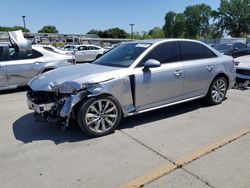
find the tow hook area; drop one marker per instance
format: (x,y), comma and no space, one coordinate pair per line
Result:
(242,85)
(55,121)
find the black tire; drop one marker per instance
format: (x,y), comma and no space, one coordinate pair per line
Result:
(216,96)
(94,127)
(98,56)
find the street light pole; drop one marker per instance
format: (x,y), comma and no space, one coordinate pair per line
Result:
(24,24)
(132,30)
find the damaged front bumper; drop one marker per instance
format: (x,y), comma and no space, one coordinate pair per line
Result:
(52,107)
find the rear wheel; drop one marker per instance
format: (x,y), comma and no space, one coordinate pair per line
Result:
(98,56)
(217,91)
(99,116)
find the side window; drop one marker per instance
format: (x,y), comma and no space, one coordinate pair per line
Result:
(95,48)
(34,54)
(193,51)
(4,53)
(164,53)
(239,45)
(31,55)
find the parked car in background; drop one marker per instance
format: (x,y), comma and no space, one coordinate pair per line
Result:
(88,53)
(243,70)
(21,61)
(56,50)
(235,50)
(69,47)
(132,78)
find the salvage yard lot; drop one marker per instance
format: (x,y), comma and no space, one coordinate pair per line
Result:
(140,151)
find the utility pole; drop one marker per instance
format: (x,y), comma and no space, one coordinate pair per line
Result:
(24,24)
(132,31)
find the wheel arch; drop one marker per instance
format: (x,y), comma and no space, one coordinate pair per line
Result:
(46,69)
(77,106)
(221,75)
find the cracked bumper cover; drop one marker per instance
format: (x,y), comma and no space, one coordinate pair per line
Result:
(56,111)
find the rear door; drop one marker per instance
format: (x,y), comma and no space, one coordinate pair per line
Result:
(21,68)
(4,57)
(82,54)
(199,64)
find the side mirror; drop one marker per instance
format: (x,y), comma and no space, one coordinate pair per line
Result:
(151,63)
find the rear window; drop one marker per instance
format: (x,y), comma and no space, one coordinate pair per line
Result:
(30,55)
(193,51)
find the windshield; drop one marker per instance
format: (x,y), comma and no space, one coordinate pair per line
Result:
(123,55)
(222,46)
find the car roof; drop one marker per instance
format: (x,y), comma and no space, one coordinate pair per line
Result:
(154,41)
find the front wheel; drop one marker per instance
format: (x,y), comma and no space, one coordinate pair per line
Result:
(217,91)
(99,116)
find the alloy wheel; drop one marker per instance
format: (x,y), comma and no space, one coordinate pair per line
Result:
(219,90)
(101,115)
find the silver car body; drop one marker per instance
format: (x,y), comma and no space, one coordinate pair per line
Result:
(136,90)
(33,60)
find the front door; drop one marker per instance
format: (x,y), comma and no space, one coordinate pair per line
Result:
(161,85)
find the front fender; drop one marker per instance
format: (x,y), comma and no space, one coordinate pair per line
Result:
(120,88)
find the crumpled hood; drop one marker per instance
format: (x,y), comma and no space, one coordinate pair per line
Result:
(78,74)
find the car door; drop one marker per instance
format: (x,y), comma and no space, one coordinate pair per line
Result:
(20,69)
(199,64)
(161,85)
(4,57)
(82,54)
(92,52)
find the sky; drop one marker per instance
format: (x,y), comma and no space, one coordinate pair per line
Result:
(79,16)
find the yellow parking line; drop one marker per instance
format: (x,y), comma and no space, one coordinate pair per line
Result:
(166,169)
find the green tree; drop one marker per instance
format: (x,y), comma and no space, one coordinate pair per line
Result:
(14,28)
(93,31)
(156,32)
(214,31)
(197,19)
(168,28)
(48,29)
(234,17)
(174,26)
(114,33)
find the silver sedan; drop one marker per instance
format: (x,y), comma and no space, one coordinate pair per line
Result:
(133,78)
(21,61)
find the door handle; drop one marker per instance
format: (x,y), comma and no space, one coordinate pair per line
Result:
(210,67)
(37,62)
(178,72)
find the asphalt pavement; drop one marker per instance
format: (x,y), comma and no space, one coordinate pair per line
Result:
(188,145)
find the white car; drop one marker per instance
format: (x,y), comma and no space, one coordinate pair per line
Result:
(56,50)
(21,61)
(242,70)
(87,53)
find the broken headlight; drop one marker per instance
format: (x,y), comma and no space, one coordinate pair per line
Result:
(68,87)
